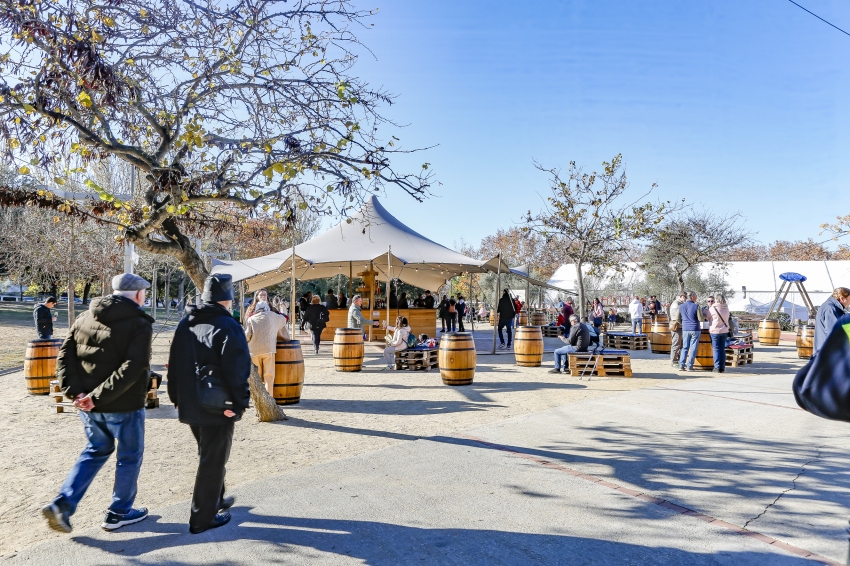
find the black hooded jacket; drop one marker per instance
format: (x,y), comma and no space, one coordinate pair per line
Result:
(43,319)
(217,339)
(108,354)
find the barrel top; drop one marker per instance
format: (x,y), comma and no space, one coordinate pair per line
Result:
(44,341)
(348,331)
(456,335)
(289,342)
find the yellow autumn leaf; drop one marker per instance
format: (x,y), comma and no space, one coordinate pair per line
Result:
(24,170)
(84,99)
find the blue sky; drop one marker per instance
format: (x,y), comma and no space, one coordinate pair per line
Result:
(735,106)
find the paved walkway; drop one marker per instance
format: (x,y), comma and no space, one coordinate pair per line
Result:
(663,475)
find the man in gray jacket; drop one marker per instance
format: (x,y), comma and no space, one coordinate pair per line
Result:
(355,315)
(676,329)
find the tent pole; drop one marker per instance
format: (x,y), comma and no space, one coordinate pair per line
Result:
(496,303)
(241,302)
(472,318)
(350,282)
(292,294)
(389,281)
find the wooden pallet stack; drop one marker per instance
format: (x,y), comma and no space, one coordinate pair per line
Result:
(626,341)
(746,338)
(739,355)
(412,360)
(611,363)
(550,331)
(59,401)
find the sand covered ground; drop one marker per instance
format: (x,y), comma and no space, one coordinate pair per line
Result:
(340,415)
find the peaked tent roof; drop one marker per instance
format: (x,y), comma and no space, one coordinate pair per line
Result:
(366,236)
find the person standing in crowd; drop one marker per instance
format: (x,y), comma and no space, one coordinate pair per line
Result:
(260,295)
(597,313)
(355,315)
(828,313)
(262,331)
(393,298)
(402,301)
(461,313)
(649,308)
(44,318)
(318,317)
(505,313)
(104,366)
(657,304)
(636,312)
(330,301)
(567,311)
(691,317)
(612,317)
(419,302)
(208,339)
(718,315)
(428,301)
(342,303)
(398,342)
(303,303)
(482,313)
(451,315)
(676,329)
(443,313)
(578,340)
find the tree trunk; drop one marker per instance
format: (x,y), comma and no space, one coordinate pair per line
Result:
(71,315)
(179,246)
(264,404)
(86,291)
(167,292)
(680,277)
(581,302)
(181,290)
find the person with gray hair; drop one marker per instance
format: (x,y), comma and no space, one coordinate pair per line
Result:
(578,341)
(262,331)
(355,314)
(104,366)
(691,315)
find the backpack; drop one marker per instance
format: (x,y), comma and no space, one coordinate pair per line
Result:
(411,340)
(324,317)
(822,386)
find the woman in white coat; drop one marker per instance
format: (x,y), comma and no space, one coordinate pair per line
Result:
(398,342)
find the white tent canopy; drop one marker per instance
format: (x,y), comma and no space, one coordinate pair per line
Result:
(371,235)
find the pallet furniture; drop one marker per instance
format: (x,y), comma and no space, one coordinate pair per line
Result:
(626,341)
(550,331)
(739,355)
(417,359)
(746,338)
(59,401)
(608,363)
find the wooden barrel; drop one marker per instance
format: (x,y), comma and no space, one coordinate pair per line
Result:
(659,338)
(662,317)
(348,349)
(528,346)
(705,355)
(457,358)
(40,365)
(769,333)
(288,372)
(538,319)
(522,318)
(646,324)
(805,341)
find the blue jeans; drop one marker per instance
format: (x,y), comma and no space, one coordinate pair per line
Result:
(45,336)
(718,347)
(690,340)
(561,356)
(509,325)
(636,326)
(102,430)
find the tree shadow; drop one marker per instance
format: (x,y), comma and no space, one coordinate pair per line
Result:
(393,407)
(284,539)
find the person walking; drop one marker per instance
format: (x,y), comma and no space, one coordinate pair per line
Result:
(578,340)
(104,366)
(398,342)
(262,331)
(355,314)
(636,313)
(451,315)
(461,313)
(303,303)
(208,339)
(505,313)
(597,314)
(691,316)
(330,300)
(44,318)
(443,313)
(676,329)
(317,316)
(718,316)
(833,309)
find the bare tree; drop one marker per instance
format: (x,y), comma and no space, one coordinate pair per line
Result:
(589,215)
(223,107)
(695,237)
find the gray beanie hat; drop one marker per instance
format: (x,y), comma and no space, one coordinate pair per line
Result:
(129,282)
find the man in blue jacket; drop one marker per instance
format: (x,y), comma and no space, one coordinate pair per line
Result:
(209,337)
(691,317)
(833,309)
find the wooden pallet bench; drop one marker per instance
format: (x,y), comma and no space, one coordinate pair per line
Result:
(610,363)
(745,338)
(550,331)
(417,359)
(60,403)
(739,355)
(626,341)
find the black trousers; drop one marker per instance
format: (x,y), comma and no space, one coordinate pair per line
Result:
(214,450)
(317,336)
(460,327)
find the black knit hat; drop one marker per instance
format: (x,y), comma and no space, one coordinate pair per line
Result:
(218,287)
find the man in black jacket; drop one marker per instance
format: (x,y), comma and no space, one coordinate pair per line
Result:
(44,318)
(104,366)
(428,302)
(578,341)
(209,337)
(506,313)
(330,301)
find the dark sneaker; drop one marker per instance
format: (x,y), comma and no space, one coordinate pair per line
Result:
(684,368)
(114,521)
(220,519)
(57,519)
(554,371)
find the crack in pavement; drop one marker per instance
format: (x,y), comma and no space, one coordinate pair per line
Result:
(792,488)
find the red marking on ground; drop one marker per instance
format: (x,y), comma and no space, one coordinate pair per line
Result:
(666,504)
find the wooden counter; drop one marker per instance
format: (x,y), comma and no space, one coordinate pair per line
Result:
(422,321)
